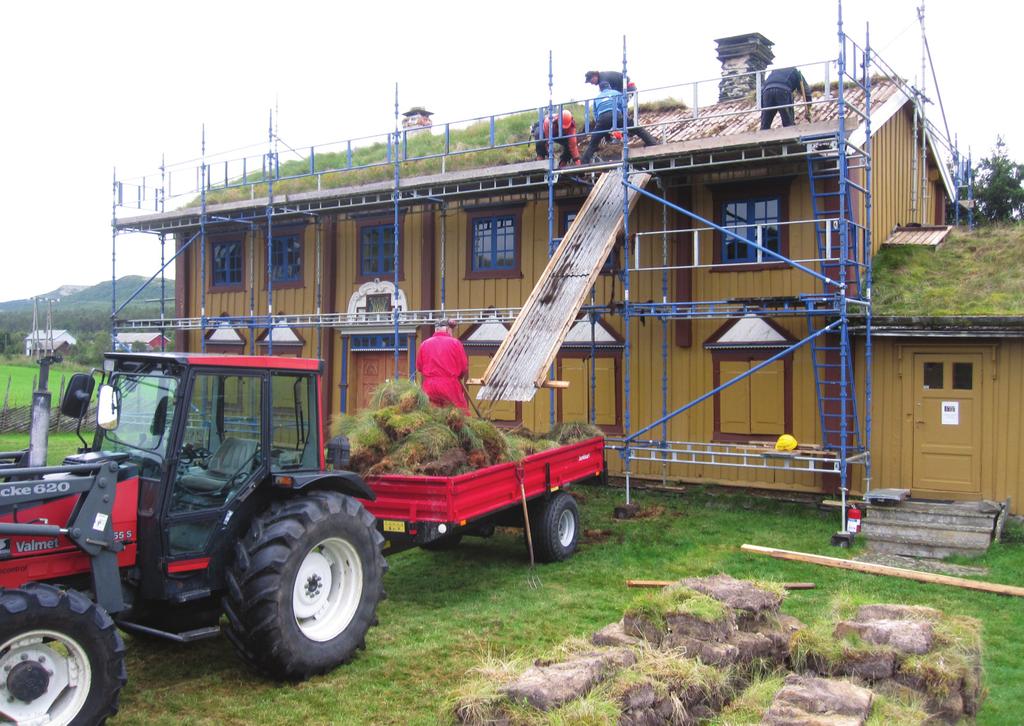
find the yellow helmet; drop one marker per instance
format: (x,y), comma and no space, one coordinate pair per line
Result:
(785,443)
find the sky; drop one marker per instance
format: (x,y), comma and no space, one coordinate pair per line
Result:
(93,87)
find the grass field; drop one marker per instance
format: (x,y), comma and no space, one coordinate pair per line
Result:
(447,610)
(23,375)
(59,446)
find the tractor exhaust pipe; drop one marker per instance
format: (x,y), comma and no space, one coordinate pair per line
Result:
(39,432)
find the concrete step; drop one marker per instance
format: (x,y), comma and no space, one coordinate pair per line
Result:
(918,550)
(983,508)
(982,523)
(926,534)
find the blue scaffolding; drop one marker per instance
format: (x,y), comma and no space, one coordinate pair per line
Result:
(839,172)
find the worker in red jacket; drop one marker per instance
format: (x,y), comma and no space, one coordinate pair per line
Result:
(444,366)
(564,135)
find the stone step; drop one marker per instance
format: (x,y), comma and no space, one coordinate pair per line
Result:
(982,508)
(885,547)
(934,535)
(912,519)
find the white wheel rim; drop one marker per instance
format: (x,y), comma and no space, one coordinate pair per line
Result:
(70,676)
(327,589)
(566,528)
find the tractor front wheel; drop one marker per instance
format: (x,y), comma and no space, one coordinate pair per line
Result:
(304,586)
(61,658)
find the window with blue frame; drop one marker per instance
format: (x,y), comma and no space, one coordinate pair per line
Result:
(494,244)
(744,218)
(226,267)
(377,250)
(286,259)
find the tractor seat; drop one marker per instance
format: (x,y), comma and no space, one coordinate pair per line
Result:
(233,456)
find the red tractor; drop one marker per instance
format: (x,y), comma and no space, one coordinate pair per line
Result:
(205,492)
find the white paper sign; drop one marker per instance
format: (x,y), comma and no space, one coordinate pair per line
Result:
(950,413)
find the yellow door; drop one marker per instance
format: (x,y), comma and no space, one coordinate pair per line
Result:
(496,410)
(768,399)
(575,398)
(735,400)
(574,401)
(755,405)
(947,425)
(606,392)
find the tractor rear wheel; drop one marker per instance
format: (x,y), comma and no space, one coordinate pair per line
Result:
(304,586)
(555,526)
(61,657)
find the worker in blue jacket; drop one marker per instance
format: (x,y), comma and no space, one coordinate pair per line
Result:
(607,115)
(615,80)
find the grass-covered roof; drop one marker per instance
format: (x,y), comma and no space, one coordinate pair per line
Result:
(978,273)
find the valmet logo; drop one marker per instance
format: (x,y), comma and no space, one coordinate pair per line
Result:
(5,548)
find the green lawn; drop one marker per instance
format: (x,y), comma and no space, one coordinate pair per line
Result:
(23,375)
(59,445)
(447,610)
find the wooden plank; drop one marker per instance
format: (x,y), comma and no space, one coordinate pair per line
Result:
(520,365)
(872,569)
(666,583)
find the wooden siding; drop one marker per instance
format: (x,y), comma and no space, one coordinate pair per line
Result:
(1002,399)
(892,149)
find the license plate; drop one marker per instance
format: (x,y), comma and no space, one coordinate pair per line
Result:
(391,525)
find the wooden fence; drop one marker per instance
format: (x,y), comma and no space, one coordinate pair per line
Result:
(18,419)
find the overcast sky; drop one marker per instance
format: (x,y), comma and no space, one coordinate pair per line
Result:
(93,86)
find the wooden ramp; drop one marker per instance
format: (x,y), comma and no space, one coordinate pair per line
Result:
(521,364)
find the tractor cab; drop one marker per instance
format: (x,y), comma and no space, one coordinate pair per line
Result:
(204,431)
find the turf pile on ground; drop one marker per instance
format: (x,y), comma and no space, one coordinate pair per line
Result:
(402,433)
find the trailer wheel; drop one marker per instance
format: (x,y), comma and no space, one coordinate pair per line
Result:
(61,657)
(555,527)
(304,586)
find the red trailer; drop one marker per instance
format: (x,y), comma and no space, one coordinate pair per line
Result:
(436,511)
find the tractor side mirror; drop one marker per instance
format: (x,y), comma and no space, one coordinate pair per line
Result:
(77,396)
(108,407)
(159,418)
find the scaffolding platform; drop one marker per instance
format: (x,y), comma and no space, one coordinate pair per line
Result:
(807,459)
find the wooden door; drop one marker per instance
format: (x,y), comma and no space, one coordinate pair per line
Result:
(371,369)
(947,424)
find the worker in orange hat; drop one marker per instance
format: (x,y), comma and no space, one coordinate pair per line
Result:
(564,135)
(443,363)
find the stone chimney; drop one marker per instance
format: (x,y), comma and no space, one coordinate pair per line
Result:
(740,54)
(417,117)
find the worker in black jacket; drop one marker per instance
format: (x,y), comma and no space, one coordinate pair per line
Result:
(614,80)
(777,96)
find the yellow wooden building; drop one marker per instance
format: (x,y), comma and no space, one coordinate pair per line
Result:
(473,242)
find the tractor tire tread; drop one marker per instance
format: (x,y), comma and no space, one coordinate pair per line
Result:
(255,583)
(34,603)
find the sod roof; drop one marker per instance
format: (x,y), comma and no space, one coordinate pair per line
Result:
(977,274)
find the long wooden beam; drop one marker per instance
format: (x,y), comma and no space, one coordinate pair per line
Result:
(873,569)
(666,583)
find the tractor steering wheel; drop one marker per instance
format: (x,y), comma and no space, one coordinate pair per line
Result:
(191,454)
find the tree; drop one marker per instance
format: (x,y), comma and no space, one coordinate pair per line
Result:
(999,187)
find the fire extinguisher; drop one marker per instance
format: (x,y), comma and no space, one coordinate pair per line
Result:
(853,516)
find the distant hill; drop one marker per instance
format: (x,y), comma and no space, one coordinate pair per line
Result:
(96,296)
